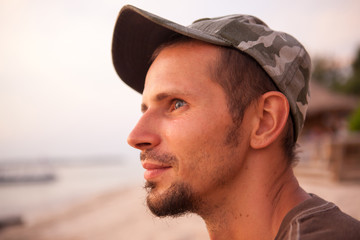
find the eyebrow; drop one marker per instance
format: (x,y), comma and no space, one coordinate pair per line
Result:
(144,107)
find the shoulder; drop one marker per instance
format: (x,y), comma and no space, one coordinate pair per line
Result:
(318,219)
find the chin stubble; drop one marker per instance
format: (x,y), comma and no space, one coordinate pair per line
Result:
(176,201)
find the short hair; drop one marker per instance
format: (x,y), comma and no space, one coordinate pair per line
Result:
(243,81)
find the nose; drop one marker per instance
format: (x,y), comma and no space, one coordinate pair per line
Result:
(145,134)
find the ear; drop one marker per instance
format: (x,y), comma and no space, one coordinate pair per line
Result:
(271,115)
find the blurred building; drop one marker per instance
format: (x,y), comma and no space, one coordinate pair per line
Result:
(327,148)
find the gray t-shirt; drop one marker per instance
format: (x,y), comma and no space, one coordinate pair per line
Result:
(317,219)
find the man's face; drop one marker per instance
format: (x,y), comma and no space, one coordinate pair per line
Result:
(184,131)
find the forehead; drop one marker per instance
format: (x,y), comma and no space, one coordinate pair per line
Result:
(185,66)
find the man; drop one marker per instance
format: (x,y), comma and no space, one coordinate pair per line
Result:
(224,101)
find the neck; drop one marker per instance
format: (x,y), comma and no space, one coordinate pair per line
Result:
(264,195)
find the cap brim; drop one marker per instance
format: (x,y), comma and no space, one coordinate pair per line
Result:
(137,34)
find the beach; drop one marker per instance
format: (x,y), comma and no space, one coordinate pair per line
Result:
(116,214)
(122,214)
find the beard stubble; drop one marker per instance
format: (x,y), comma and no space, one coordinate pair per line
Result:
(179,199)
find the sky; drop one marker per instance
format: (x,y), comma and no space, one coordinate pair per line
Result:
(60,95)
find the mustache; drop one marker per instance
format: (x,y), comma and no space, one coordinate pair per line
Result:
(164,158)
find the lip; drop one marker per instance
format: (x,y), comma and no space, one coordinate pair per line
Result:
(153,170)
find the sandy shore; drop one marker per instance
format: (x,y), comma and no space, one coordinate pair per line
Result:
(122,214)
(118,214)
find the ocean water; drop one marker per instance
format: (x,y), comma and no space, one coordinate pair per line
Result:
(73,183)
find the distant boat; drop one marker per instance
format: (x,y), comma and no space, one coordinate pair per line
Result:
(25,173)
(10,221)
(28,178)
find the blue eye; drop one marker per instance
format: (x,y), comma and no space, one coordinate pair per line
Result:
(179,103)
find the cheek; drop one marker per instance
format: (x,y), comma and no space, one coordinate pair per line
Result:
(185,133)
(196,144)
(182,138)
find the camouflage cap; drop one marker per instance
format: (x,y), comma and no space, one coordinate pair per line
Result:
(138,33)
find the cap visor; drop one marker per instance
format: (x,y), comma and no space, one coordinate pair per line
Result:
(137,34)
